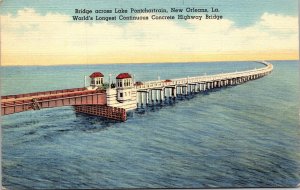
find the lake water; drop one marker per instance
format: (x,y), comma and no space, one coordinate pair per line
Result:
(241,136)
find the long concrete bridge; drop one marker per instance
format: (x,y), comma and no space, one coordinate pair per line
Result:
(117,98)
(161,89)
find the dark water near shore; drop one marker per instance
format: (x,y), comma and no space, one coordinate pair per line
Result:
(242,136)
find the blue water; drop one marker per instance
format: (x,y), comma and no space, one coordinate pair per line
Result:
(242,136)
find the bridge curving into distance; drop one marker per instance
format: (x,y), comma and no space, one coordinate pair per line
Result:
(125,94)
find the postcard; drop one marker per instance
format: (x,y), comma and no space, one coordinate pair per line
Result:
(138,94)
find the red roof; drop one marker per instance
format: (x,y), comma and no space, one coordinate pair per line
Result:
(123,76)
(96,74)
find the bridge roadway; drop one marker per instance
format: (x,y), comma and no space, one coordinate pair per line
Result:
(34,101)
(159,90)
(95,101)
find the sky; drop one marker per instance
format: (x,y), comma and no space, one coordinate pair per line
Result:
(38,32)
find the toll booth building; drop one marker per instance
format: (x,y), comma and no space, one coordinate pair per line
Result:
(97,79)
(124,87)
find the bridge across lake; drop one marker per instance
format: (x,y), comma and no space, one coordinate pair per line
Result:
(114,101)
(161,89)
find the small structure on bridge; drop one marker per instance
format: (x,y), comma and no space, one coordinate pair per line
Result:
(124,95)
(124,87)
(96,79)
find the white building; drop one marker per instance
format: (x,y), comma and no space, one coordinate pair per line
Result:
(96,79)
(124,85)
(124,95)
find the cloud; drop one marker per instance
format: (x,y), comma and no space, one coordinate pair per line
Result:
(30,33)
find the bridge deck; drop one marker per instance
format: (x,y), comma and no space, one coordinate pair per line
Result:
(33,101)
(80,96)
(206,78)
(41,93)
(45,97)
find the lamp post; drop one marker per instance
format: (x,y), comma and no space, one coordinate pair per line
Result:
(109,81)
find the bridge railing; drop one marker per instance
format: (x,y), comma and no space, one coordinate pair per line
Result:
(20,105)
(222,76)
(50,97)
(41,93)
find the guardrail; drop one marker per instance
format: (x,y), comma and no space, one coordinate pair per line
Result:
(206,78)
(41,93)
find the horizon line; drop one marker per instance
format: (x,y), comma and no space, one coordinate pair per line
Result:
(135,63)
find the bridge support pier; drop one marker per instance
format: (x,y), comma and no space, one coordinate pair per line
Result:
(142,99)
(147,98)
(211,85)
(180,90)
(183,90)
(165,94)
(223,83)
(161,95)
(197,87)
(114,113)
(219,84)
(174,92)
(150,97)
(186,92)
(200,87)
(203,86)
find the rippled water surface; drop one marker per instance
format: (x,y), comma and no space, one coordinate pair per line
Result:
(242,136)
